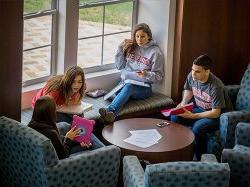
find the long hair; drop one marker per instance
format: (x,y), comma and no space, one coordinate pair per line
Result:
(128,48)
(45,111)
(63,82)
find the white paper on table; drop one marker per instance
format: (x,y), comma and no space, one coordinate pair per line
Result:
(138,143)
(144,138)
(147,134)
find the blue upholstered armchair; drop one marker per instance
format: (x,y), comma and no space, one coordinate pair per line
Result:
(239,157)
(240,97)
(208,172)
(28,158)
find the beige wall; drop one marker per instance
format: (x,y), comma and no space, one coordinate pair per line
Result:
(160,16)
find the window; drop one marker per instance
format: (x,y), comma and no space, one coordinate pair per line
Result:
(39,40)
(103,25)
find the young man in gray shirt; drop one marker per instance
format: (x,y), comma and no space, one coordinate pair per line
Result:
(210,100)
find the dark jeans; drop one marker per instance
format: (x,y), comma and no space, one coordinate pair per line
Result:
(96,143)
(200,128)
(63,117)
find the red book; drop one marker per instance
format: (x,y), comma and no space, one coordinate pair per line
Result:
(86,127)
(178,110)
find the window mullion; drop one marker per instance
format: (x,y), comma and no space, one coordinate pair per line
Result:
(54,39)
(103,23)
(39,14)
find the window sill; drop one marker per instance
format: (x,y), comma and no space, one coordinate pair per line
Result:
(88,76)
(101,73)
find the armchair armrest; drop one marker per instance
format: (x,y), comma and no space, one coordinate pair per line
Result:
(133,173)
(238,158)
(242,134)
(232,92)
(208,158)
(99,167)
(228,122)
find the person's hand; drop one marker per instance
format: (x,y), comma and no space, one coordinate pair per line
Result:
(187,114)
(72,133)
(85,145)
(141,73)
(126,44)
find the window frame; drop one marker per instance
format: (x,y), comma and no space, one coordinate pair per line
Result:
(101,66)
(53,44)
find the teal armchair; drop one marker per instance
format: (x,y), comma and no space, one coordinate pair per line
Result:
(208,172)
(225,136)
(238,158)
(28,158)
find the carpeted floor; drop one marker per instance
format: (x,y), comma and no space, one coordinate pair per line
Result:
(26,116)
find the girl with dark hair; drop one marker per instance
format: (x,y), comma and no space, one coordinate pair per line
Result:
(139,59)
(66,90)
(44,121)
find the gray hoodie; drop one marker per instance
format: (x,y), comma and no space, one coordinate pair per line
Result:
(148,57)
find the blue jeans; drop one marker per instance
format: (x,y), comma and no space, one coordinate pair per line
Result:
(200,128)
(129,91)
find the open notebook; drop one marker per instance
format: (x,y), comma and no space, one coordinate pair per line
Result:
(76,109)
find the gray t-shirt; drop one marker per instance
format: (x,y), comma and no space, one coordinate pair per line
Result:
(211,94)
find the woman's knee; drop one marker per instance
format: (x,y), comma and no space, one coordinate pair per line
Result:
(63,127)
(128,88)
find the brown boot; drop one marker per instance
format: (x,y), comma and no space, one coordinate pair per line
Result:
(107,116)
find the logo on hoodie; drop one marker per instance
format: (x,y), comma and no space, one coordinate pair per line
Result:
(139,58)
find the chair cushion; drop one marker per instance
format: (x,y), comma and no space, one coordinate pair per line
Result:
(187,174)
(133,108)
(243,97)
(243,149)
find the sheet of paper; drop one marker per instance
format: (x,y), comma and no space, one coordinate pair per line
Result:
(147,134)
(139,143)
(143,138)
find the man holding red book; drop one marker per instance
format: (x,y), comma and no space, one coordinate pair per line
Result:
(210,100)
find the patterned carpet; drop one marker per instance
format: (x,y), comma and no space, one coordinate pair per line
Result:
(26,116)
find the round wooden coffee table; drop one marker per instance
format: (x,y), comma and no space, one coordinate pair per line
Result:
(176,144)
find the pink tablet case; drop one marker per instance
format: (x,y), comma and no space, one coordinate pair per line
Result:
(86,127)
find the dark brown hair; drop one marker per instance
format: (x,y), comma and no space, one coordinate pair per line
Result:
(204,61)
(63,82)
(139,27)
(45,111)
